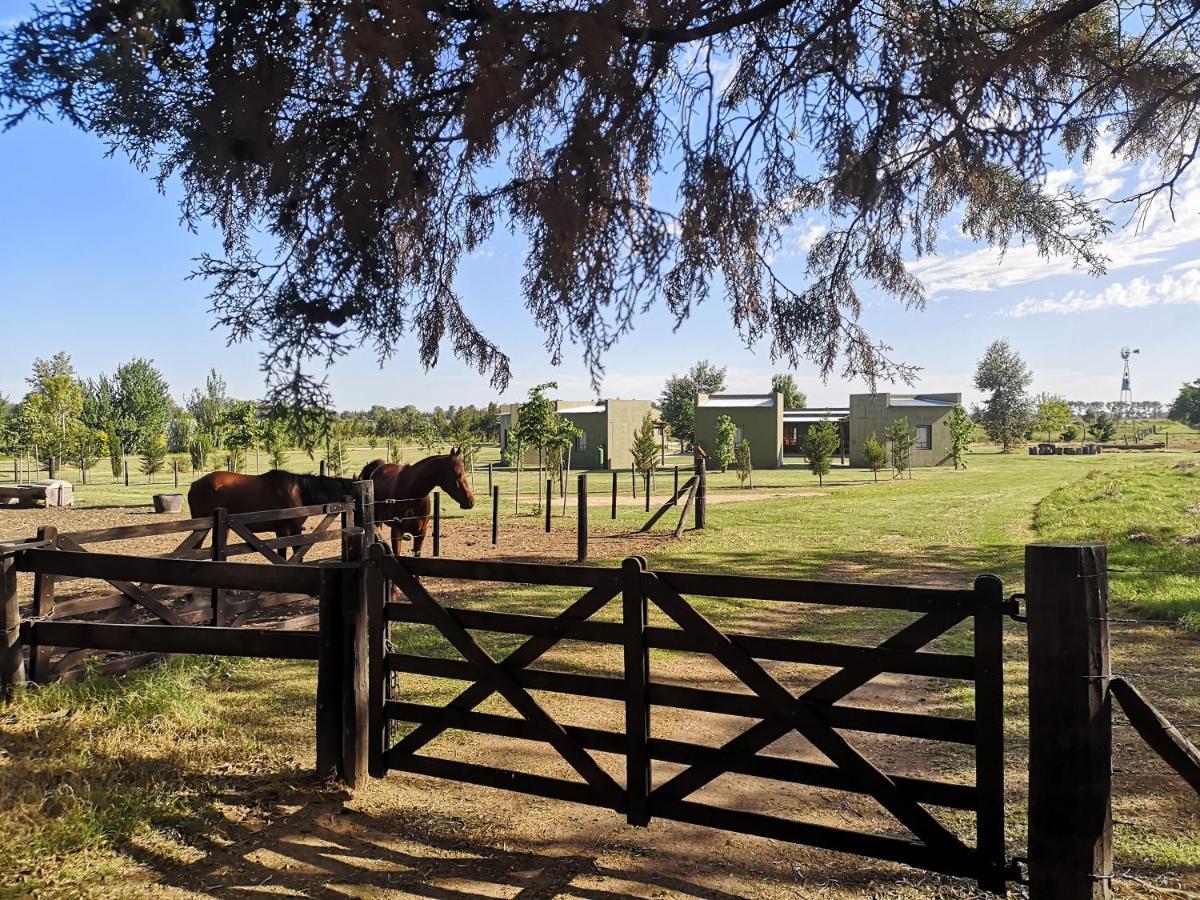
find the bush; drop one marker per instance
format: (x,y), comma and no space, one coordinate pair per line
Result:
(1070,433)
(745,468)
(900,438)
(820,443)
(199,450)
(154,456)
(875,455)
(724,450)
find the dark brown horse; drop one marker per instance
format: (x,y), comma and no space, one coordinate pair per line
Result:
(275,489)
(402,493)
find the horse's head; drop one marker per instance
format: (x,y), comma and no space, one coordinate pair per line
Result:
(454,480)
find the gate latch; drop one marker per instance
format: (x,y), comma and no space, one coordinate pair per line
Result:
(1013,605)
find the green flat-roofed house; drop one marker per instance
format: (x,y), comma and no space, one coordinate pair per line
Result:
(927,415)
(608,428)
(757,417)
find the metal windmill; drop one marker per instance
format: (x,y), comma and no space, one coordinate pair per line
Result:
(1126,403)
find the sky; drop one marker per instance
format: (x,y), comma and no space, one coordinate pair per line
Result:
(94,261)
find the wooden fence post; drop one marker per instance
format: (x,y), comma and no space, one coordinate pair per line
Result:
(12,656)
(174,468)
(490,484)
(323,468)
(364,508)
(126,473)
(437,523)
(495,514)
(329,672)
(220,539)
(989,732)
(549,488)
(701,494)
(377,591)
(633,479)
(677,485)
(356,661)
(43,608)
(637,678)
(581,525)
(1070,722)
(614,493)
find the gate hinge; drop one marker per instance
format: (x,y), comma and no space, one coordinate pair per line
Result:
(1012,606)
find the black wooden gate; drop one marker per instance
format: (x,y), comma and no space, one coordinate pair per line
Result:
(817,713)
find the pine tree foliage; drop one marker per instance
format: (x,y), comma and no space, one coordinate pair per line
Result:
(648,152)
(875,455)
(821,441)
(900,440)
(962,432)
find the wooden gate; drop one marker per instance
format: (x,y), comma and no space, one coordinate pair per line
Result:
(816,714)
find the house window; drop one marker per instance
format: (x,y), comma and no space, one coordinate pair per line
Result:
(924,437)
(581,442)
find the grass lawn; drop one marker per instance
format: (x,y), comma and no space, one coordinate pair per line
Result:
(98,778)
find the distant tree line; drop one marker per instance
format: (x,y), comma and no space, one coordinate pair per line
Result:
(66,419)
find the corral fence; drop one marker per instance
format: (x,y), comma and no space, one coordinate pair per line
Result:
(367,591)
(62,632)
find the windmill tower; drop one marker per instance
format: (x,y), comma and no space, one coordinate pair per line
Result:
(1126,407)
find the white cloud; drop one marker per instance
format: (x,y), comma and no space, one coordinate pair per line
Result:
(1135,294)
(1147,240)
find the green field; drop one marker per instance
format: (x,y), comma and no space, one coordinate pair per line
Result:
(97,778)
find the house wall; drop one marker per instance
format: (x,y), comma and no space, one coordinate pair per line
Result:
(611,431)
(624,419)
(873,413)
(595,427)
(761,425)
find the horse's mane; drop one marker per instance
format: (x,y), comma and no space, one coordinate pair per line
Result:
(370,469)
(314,488)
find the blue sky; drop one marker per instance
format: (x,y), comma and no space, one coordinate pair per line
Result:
(93,261)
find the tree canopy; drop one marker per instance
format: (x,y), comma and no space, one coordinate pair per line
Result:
(784,383)
(353,153)
(1007,412)
(1186,405)
(677,406)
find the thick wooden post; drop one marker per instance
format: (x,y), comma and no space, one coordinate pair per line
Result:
(614,493)
(637,678)
(701,494)
(490,484)
(12,658)
(174,469)
(356,662)
(437,523)
(676,494)
(989,732)
(323,468)
(329,672)
(126,473)
(377,676)
(549,488)
(495,514)
(43,608)
(633,479)
(1070,722)
(364,507)
(220,539)
(581,525)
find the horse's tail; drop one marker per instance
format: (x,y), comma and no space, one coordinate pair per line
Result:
(370,469)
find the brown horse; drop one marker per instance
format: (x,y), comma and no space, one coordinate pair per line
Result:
(402,493)
(275,489)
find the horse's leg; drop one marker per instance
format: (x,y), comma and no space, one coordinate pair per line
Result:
(397,538)
(419,537)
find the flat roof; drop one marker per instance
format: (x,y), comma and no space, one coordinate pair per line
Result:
(749,401)
(920,401)
(815,415)
(580,410)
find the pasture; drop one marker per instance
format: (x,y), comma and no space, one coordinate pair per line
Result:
(191,777)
